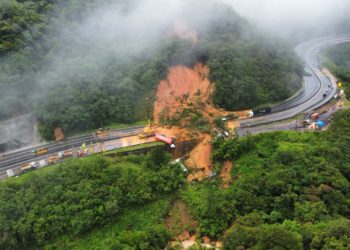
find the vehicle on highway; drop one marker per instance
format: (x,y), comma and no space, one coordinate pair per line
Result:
(28,166)
(260,111)
(167,140)
(40,151)
(53,159)
(146,134)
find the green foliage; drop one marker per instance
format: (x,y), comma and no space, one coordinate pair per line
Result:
(154,238)
(190,118)
(157,158)
(287,188)
(330,234)
(210,205)
(337,59)
(80,195)
(248,73)
(135,219)
(92,88)
(20,23)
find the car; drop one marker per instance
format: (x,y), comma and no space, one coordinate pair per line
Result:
(324,95)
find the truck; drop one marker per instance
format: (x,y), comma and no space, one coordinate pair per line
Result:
(315,116)
(101,133)
(146,134)
(40,151)
(260,111)
(68,153)
(167,140)
(28,166)
(53,159)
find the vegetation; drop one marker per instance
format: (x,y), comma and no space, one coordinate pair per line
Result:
(130,149)
(337,59)
(249,71)
(77,86)
(290,191)
(59,206)
(133,228)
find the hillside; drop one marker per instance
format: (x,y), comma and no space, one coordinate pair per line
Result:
(59,205)
(337,59)
(77,80)
(289,190)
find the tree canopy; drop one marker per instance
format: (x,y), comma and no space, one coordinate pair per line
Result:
(69,80)
(79,195)
(290,191)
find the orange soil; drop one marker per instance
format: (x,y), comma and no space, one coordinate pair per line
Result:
(182,87)
(59,135)
(200,160)
(233,124)
(226,174)
(206,240)
(180,219)
(182,30)
(181,81)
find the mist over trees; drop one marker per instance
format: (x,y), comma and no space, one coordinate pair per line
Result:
(84,64)
(337,59)
(296,20)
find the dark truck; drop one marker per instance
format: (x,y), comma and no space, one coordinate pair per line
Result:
(262,111)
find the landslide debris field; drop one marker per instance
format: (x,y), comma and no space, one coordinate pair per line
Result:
(78,80)
(184,109)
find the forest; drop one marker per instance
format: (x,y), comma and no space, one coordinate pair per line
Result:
(71,83)
(54,206)
(290,190)
(337,59)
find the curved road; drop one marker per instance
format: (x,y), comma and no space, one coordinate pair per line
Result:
(308,98)
(315,85)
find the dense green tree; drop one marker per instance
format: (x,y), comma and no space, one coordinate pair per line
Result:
(288,187)
(80,195)
(59,76)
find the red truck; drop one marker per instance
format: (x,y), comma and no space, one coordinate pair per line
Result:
(167,140)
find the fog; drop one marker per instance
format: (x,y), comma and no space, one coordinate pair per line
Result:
(116,31)
(81,48)
(129,28)
(300,19)
(132,29)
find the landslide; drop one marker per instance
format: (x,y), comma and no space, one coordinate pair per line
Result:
(245,68)
(228,65)
(103,88)
(184,108)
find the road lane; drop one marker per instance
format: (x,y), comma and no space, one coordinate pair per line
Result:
(315,86)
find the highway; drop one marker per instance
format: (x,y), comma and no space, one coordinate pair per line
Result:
(16,158)
(316,84)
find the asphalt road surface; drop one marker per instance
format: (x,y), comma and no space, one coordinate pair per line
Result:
(16,158)
(308,98)
(316,84)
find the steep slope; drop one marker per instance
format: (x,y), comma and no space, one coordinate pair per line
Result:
(78,80)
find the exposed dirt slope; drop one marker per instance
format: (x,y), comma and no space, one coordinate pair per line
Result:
(225,174)
(183,108)
(182,30)
(181,83)
(180,222)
